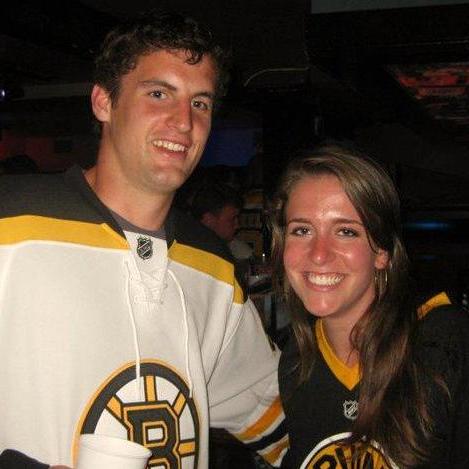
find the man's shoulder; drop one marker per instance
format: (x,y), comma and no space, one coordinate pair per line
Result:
(46,195)
(30,191)
(194,245)
(11,184)
(190,232)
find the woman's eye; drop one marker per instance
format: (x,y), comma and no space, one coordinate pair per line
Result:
(348,232)
(299,231)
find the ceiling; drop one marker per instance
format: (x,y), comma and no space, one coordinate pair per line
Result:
(363,73)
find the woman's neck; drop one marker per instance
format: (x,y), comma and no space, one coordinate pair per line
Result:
(339,339)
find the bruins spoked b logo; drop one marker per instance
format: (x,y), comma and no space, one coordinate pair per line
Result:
(331,453)
(166,421)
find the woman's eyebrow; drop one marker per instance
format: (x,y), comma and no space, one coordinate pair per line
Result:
(298,220)
(349,221)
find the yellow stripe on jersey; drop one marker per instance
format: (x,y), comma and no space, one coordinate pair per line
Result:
(261,425)
(272,456)
(348,376)
(207,263)
(437,300)
(36,228)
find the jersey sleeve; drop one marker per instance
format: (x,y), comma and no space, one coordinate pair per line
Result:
(458,364)
(445,337)
(11,459)
(243,390)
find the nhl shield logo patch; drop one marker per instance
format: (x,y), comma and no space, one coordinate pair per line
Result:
(144,247)
(350,409)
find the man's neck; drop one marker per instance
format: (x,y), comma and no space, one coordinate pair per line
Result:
(147,211)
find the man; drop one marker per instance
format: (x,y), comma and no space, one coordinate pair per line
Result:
(117,314)
(217,207)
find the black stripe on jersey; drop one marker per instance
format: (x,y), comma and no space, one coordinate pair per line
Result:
(60,196)
(270,439)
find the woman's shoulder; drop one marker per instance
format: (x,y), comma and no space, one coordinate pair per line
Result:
(445,322)
(443,339)
(290,353)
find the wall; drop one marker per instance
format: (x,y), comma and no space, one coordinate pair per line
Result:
(50,154)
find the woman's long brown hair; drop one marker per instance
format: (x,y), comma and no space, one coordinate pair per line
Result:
(393,405)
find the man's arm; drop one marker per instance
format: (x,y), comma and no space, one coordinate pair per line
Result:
(11,459)
(243,390)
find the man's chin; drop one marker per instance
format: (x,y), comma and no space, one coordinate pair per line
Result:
(168,184)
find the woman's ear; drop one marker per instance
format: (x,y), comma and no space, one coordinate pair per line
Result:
(101,103)
(381,259)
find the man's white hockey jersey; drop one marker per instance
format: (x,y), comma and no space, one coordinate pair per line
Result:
(126,335)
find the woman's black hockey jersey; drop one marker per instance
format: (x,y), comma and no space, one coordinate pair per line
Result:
(320,412)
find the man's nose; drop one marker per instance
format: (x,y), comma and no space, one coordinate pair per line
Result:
(181,118)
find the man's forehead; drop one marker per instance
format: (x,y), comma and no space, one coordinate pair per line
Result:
(183,55)
(161,62)
(230,209)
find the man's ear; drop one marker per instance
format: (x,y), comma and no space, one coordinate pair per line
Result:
(208,220)
(101,103)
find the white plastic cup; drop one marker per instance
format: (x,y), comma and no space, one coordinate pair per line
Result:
(105,452)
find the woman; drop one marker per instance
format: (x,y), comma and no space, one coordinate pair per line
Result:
(365,382)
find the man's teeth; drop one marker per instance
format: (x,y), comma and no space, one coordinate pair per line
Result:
(325,280)
(169,145)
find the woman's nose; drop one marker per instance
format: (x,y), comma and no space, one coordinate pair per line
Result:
(320,249)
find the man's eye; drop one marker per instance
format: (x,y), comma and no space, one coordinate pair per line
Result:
(201,105)
(158,94)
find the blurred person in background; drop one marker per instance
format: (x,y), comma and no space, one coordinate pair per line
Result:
(218,206)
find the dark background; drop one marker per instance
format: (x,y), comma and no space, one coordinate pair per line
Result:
(391,76)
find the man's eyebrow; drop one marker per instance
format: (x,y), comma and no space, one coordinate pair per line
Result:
(155,82)
(206,94)
(169,86)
